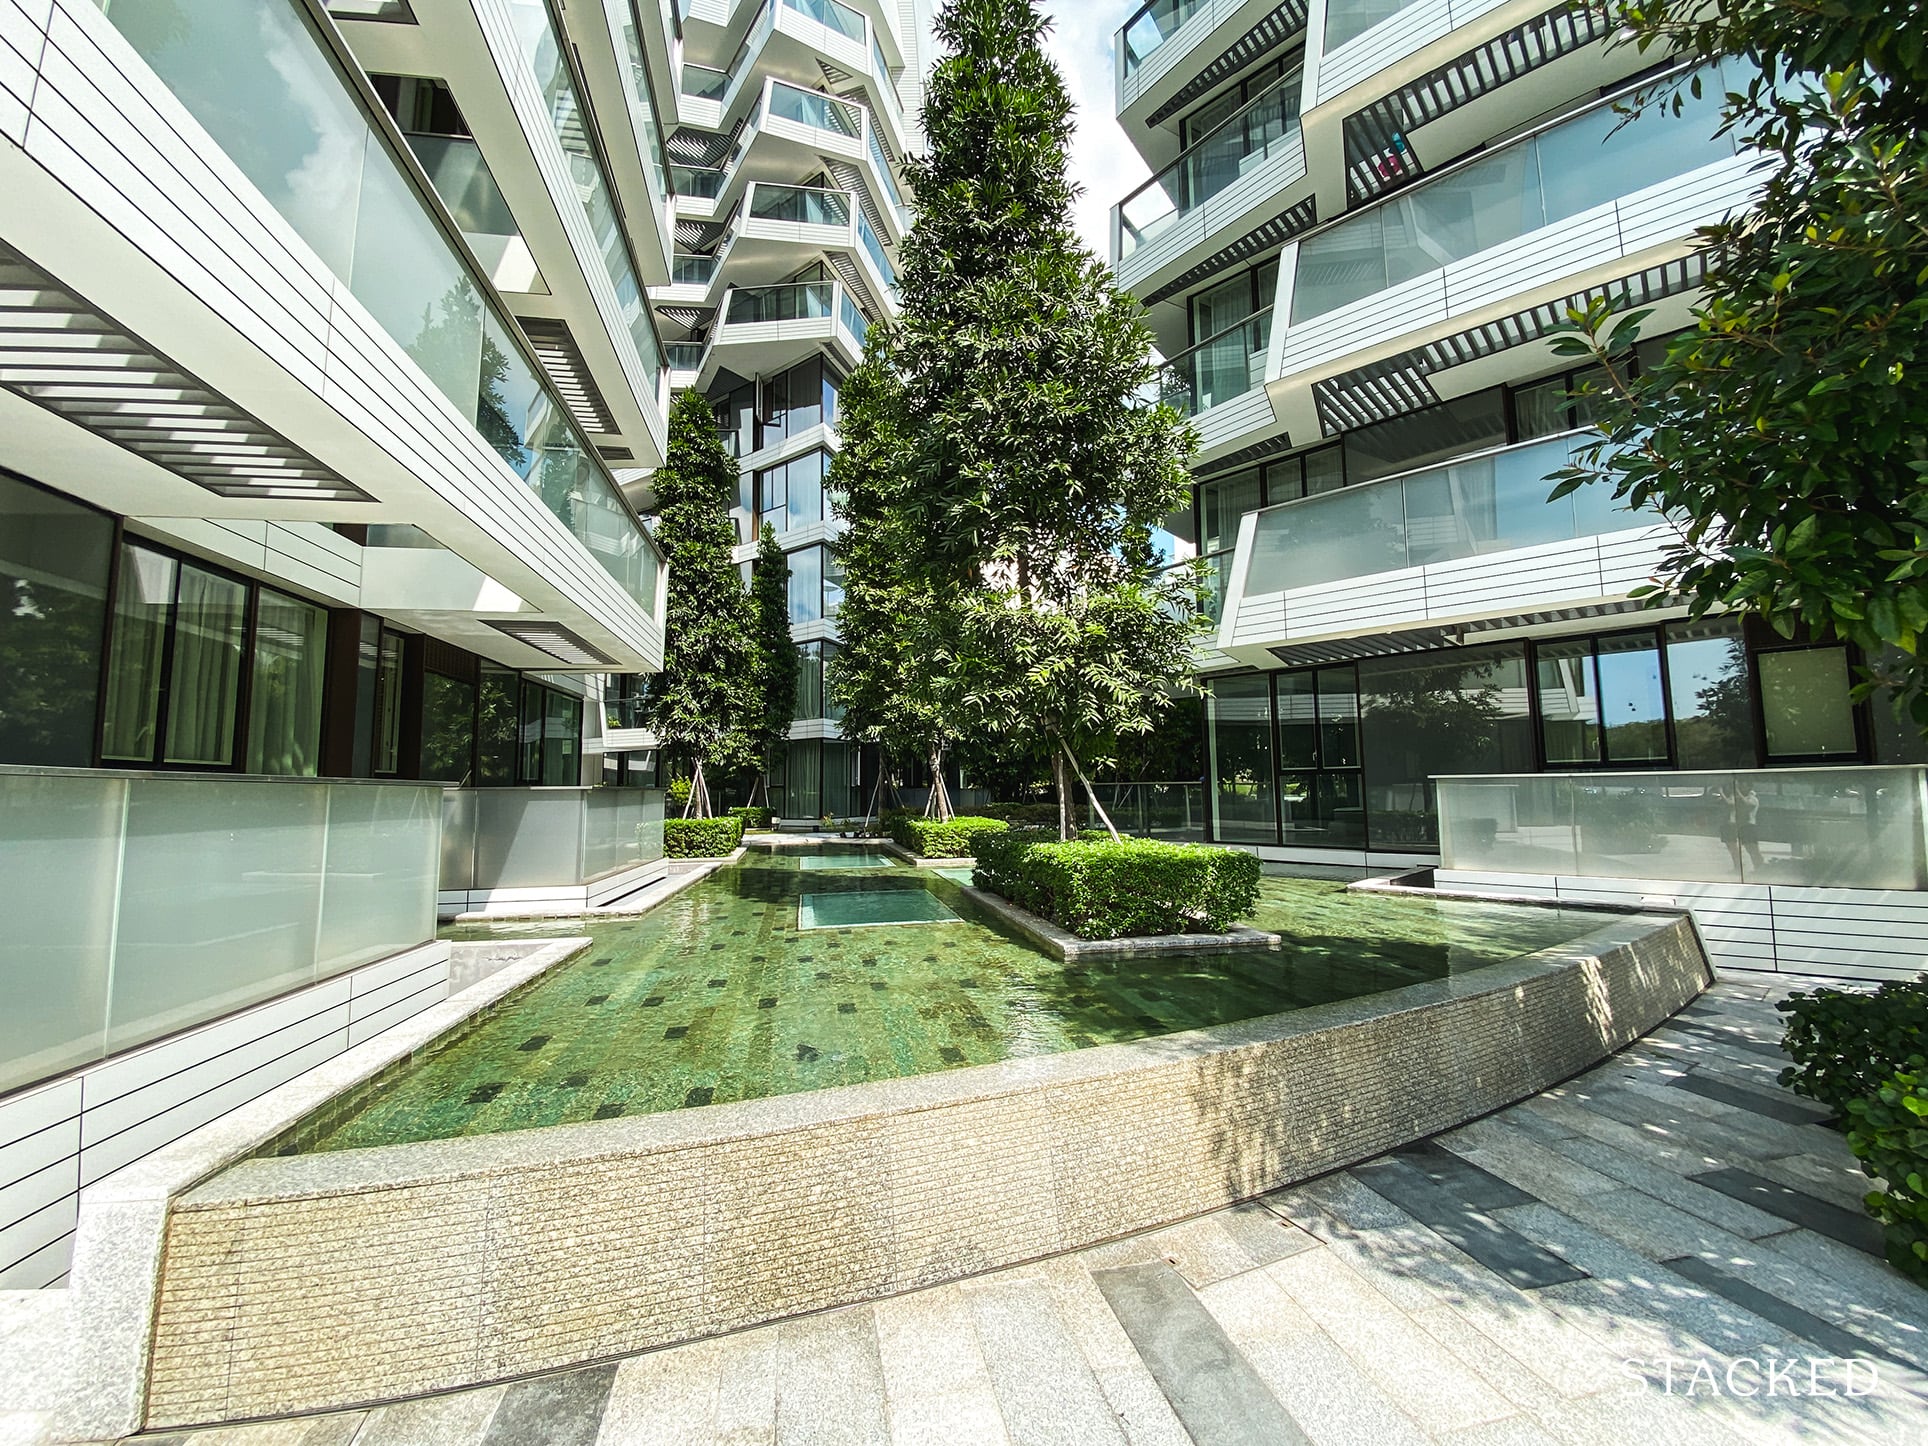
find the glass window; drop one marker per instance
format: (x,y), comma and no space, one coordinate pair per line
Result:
(495,728)
(529,733)
(806,585)
(804,505)
(1222,306)
(809,683)
(1437,434)
(561,740)
(1244,805)
(1298,705)
(1429,715)
(1542,409)
(1569,703)
(204,682)
(1805,704)
(448,729)
(388,705)
(1633,712)
(1711,695)
(1339,717)
(54,559)
(284,700)
(1325,470)
(1221,503)
(143,600)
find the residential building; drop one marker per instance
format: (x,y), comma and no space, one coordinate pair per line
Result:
(1366,218)
(793,118)
(324,326)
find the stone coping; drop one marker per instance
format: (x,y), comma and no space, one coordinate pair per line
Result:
(443,1263)
(680,874)
(118,1243)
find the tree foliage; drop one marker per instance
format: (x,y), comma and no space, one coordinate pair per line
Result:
(1003,469)
(1786,430)
(776,653)
(704,703)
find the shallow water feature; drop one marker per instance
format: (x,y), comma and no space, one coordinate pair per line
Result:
(789,972)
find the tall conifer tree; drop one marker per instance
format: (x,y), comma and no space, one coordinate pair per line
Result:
(1014,463)
(704,702)
(776,654)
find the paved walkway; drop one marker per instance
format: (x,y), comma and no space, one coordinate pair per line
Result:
(1544,1275)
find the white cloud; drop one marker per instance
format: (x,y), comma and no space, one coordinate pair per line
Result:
(1103,162)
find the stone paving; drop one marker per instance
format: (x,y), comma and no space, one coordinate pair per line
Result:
(1667,1249)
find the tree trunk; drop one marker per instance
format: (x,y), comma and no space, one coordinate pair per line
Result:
(1061,776)
(940,800)
(1090,793)
(699,800)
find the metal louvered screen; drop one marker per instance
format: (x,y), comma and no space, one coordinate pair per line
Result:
(562,359)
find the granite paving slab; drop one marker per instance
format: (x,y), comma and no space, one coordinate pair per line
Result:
(1045,1388)
(1479,1232)
(1797,1206)
(1809,1327)
(1782,1106)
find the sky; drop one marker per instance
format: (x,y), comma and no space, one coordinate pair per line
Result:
(1103,162)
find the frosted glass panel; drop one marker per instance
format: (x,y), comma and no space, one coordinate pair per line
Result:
(219,896)
(528,838)
(1808,827)
(60,839)
(382,865)
(623,828)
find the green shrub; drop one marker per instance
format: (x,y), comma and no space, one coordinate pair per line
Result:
(931,838)
(753,817)
(1845,1047)
(701,838)
(1888,1132)
(676,793)
(1103,890)
(1026,815)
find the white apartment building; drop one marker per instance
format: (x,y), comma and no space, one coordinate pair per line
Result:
(321,329)
(793,120)
(1365,219)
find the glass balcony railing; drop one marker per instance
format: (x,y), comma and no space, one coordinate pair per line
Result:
(699,82)
(1572,166)
(543,53)
(1349,19)
(684,356)
(867,234)
(1490,503)
(1210,166)
(796,301)
(808,205)
(461,178)
(1151,26)
(633,71)
(1859,828)
(685,270)
(853,319)
(704,181)
(833,13)
(323,161)
(1219,368)
(819,112)
(882,163)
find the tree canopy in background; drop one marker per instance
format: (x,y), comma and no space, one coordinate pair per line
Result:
(1004,467)
(704,704)
(1788,430)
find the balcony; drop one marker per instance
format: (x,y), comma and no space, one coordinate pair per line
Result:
(1467,540)
(526,850)
(461,178)
(1172,51)
(763,329)
(1583,201)
(1364,37)
(767,229)
(1251,161)
(1206,382)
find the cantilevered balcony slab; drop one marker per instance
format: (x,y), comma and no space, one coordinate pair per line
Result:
(762,330)
(1170,53)
(1468,542)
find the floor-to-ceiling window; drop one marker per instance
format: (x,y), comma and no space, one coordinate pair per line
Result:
(55,556)
(1244,799)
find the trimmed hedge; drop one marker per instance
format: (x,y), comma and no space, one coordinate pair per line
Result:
(753,817)
(1846,1046)
(1888,1132)
(1103,890)
(931,838)
(701,838)
(1027,815)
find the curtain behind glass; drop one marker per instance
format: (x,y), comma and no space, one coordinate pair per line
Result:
(284,703)
(204,686)
(142,598)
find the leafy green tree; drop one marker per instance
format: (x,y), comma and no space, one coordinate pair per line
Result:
(1786,430)
(777,665)
(1018,468)
(704,704)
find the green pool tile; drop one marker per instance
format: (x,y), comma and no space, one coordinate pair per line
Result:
(854,859)
(718,995)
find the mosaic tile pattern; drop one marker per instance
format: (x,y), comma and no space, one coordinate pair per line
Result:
(720,995)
